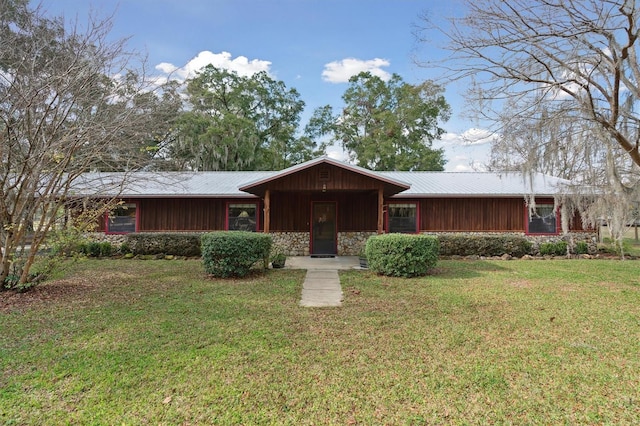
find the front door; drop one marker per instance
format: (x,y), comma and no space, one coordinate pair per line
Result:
(323,231)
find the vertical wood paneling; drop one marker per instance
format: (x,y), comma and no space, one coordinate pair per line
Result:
(357,211)
(182,214)
(290,211)
(472,214)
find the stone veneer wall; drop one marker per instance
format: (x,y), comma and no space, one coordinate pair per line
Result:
(291,243)
(352,243)
(298,244)
(114,239)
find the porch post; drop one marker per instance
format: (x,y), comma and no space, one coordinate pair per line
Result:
(380,210)
(267,211)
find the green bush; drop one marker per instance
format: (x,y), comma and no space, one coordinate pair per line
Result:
(106,249)
(558,248)
(483,245)
(233,253)
(582,247)
(95,248)
(92,249)
(173,243)
(124,249)
(66,243)
(402,255)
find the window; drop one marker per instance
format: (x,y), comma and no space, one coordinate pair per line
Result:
(403,218)
(122,219)
(543,220)
(242,217)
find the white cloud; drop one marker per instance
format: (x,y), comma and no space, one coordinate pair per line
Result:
(342,71)
(476,136)
(466,151)
(241,64)
(337,153)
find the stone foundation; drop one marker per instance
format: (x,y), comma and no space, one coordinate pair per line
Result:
(352,243)
(292,243)
(114,239)
(298,243)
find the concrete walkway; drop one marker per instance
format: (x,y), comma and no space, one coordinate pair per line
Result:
(321,287)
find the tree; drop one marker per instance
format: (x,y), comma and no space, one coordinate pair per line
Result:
(551,51)
(558,78)
(239,123)
(387,125)
(155,110)
(65,109)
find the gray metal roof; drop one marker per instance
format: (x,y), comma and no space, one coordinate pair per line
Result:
(227,184)
(478,184)
(167,184)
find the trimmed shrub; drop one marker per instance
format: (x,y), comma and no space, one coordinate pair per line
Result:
(484,245)
(582,247)
(233,253)
(106,249)
(559,248)
(124,249)
(402,255)
(174,243)
(95,248)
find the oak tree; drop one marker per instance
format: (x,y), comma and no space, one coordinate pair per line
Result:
(236,122)
(387,125)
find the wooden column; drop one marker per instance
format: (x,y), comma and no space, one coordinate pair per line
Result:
(380,211)
(267,211)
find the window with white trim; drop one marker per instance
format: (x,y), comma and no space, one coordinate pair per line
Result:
(242,217)
(542,220)
(403,218)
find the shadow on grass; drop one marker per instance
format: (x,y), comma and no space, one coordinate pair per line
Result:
(462,269)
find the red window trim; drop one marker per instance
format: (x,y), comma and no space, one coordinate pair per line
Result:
(396,201)
(241,201)
(527,221)
(137,220)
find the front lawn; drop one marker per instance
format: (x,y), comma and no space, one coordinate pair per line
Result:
(154,342)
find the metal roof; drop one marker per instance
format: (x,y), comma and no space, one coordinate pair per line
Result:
(478,184)
(166,184)
(228,184)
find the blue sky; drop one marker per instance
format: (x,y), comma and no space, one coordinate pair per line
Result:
(313,46)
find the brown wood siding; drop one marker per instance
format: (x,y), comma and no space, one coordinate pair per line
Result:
(291,211)
(472,214)
(357,211)
(331,178)
(181,214)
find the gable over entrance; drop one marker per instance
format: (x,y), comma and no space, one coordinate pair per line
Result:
(326,174)
(320,177)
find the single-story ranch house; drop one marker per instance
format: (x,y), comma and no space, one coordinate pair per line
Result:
(326,206)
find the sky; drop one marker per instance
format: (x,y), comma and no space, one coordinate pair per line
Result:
(313,46)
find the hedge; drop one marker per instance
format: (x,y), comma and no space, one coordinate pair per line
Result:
(484,245)
(558,248)
(233,253)
(171,243)
(402,255)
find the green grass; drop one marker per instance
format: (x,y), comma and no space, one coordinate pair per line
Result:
(154,342)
